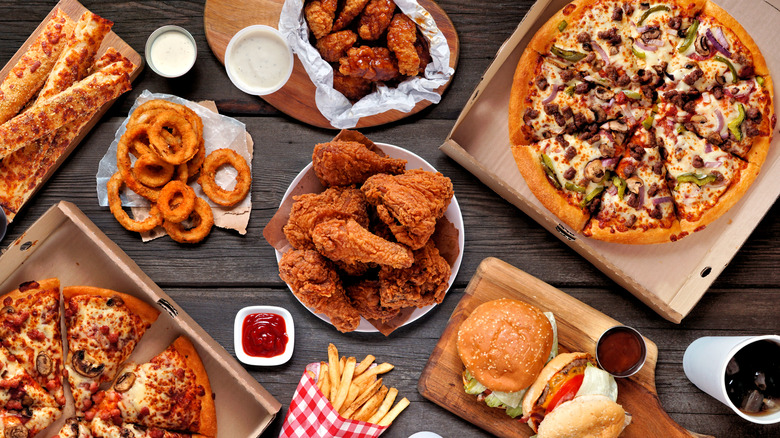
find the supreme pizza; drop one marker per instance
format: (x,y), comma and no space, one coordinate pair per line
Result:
(640,121)
(170,396)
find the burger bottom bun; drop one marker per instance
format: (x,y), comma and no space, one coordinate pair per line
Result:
(587,416)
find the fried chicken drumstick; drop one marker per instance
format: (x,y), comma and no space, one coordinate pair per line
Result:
(311,208)
(347,241)
(343,163)
(422,284)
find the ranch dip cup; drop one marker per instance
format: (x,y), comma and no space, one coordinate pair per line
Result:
(258,60)
(171,51)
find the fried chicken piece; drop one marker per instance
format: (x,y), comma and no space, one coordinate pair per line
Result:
(422,284)
(320,15)
(375,18)
(401,37)
(343,163)
(423,52)
(335,45)
(371,63)
(314,280)
(353,88)
(409,203)
(311,208)
(351,9)
(348,241)
(364,296)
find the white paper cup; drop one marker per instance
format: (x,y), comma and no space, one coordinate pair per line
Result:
(705,362)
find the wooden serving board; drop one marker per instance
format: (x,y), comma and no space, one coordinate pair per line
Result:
(579,326)
(74,9)
(224,18)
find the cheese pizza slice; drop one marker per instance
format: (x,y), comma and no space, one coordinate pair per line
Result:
(75,427)
(30,330)
(171,391)
(704,180)
(107,429)
(103,327)
(636,206)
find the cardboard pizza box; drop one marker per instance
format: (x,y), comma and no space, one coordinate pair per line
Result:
(479,141)
(64,243)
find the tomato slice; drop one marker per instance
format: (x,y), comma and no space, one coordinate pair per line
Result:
(567,392)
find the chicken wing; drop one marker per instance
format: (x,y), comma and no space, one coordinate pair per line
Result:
(371,63)
(401,38)
(335,45)
(353,88)
(348,241)
(343,163)
(409,203)
(314,280)
(311,208)
(320,15)
(375,18)
(351,9)
(422,284)
(364,295)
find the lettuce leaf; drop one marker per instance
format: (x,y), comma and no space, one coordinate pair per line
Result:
(554,351)
(598,381)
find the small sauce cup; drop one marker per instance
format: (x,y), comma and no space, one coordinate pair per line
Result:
(238,336)
(621,351)
(171,51)
(258,60)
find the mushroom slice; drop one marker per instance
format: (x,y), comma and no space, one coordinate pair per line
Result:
(634,183)
(702,45)
(604,93)
(84,366)
(594,171)
(43,364)
(124,382)
(115,301)
(18,431)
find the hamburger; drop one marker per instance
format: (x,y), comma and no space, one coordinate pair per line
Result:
(572,397)
(503,345)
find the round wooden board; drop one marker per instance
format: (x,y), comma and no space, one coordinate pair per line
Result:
(223,18)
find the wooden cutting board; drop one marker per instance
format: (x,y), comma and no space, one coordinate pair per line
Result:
(224,18)
(74,9)
(579,326)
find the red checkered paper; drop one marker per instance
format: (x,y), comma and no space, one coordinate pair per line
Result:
(312,416)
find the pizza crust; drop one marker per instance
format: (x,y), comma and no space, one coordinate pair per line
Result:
(548,195)
(542,40)
(726,20)
(208,413)
(522,84)
(147,313)
(634,236)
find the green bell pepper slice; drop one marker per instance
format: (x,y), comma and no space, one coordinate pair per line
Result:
(591,196)
(650,11)
(690,36)
(648,121)
(632,94)
(562,25)
(639,54)
(549,169)
(736,124)
(760,80)
(569,55)
(569,90)
(734,77)
(699,180)
(575,188)
(621,185)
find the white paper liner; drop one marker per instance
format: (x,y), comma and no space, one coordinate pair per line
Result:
(218,132)
(337,108)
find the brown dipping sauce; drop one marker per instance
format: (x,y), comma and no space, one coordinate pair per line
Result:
(621,351)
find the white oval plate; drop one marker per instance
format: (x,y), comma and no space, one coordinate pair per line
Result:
(413,161)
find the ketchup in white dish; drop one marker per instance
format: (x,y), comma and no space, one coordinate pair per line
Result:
(258,60)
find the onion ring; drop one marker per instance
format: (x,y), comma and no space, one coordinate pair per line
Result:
(151,171)
(210,187)
(176,191)
(115,204)
(203,220)
(178,124)
(196,163)
(156,106)
(123,162)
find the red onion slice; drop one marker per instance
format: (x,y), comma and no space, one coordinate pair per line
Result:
(662,200)
(609,162)
(600,51)
(657,42)
(721,124)
(645,47)
(696,57)
(716,44)
(642,195)
(555,90)
(612,190)
(707,148)
(628,114)
(718,33)
(611,102)
(712,164)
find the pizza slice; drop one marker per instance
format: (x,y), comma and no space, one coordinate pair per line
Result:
(107,429)
(75,427)
(171,392)
(704,180)
(103,327)
(636,206)
(25,407)
(30,330)
(567,174)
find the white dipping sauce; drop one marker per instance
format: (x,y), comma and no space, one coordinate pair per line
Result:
(172,53)
(259,61)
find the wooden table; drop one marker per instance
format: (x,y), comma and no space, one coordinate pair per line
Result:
(213,280)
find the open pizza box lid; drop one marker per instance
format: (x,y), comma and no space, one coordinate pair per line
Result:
(669,277)
(65,244)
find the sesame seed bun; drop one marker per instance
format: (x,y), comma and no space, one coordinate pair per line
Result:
(505,343)
(587,416)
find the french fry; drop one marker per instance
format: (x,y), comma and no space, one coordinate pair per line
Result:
(355,389)
(333,370)
(364,364)
(343,386)
(371,405)
(372,372)
(342,363)
(388,419)
(323,377)
(359,401)
(385,407)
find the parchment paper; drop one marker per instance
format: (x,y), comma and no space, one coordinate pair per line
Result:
(337,108)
